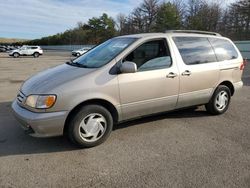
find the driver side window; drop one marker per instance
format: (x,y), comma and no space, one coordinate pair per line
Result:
(151,55)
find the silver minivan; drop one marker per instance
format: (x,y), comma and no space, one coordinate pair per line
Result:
(128,77)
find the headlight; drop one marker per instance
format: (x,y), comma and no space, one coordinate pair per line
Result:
(40,101)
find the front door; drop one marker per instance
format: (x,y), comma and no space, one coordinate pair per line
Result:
(23,50)
(154,87)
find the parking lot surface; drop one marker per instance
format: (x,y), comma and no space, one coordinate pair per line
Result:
(187,148)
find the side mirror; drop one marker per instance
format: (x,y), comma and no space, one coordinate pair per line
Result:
(128,67)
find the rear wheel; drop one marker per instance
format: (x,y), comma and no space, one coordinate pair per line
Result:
(220,100)
(16,55)
(36,54)
(78,54)
(91,126)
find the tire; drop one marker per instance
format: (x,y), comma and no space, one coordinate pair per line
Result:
(16,55)
(220,101)
(90,126)
(78,55)
(36,54)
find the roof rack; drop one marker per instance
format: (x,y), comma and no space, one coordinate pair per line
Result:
(193,31)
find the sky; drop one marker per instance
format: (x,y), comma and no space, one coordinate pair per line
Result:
(31,19)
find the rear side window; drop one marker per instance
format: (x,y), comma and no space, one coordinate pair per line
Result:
(33,48)
(195,50)
(224,50)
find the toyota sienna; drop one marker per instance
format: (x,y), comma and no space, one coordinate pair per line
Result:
(128,77)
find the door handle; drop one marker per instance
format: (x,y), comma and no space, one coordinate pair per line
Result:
(186,73)
(171,75)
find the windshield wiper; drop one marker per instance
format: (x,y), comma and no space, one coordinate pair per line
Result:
(72,63)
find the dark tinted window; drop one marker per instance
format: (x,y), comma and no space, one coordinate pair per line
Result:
(151,55)
(224,50)
(33,48)
(195,50)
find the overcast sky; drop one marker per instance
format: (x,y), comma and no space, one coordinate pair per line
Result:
(31,19)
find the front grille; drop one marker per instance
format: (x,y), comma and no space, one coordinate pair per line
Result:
(20,97)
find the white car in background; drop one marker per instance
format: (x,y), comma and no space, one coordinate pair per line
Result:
(34,51)
(81,51)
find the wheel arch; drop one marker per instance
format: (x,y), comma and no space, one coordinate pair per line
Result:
(104,103)
(230,85)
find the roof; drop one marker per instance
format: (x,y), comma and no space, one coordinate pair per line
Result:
(174,33)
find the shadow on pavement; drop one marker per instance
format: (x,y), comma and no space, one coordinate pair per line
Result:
(13,140)
(191,112)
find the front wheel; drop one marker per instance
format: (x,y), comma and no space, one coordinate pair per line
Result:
(91,126)
(220,100)
(35,55)
(16,55)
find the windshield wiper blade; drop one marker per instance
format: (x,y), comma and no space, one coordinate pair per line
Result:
(69,62)
(76,64)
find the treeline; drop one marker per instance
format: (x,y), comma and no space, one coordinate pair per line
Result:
(154,16)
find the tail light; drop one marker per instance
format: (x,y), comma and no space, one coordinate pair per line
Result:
(243,64)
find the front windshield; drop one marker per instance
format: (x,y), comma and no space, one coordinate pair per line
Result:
(103,53)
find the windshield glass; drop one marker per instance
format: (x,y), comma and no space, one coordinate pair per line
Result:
(103,53)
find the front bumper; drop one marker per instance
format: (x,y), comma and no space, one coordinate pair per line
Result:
(46,124)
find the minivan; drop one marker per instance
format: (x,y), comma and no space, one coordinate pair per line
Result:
(129,77)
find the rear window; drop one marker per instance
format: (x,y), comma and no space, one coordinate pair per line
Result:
(195,50)
(224,50)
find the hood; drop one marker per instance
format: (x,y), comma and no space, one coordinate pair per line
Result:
(45,81)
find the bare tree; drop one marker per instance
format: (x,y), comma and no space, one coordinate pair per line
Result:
(149,9)
(238,20)
(121,23)
(138,20)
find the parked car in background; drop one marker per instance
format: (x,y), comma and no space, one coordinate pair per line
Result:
(34,51)
(10,48)
(129,77)
(3,49)
(80,52)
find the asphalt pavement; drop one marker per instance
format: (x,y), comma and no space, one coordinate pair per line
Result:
(187,148)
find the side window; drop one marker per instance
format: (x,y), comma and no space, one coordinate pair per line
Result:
(151,55)
(195,50)
(224,50)
(33,48)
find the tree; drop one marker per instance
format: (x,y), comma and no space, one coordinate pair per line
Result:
(202,15)
(168,17)
(238,20)
(155,15)
(101,28)
(121,23)
(138,21)
(149,9)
